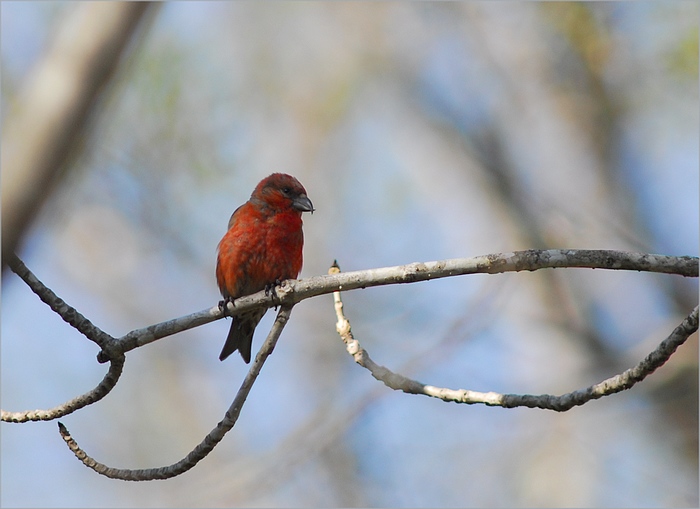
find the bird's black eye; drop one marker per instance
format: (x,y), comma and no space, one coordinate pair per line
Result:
(286,191)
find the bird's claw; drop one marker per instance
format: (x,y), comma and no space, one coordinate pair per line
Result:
(223,305)
(270,290)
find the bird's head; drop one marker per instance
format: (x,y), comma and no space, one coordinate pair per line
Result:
(280,191)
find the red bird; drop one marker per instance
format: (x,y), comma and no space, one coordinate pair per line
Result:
(263,246)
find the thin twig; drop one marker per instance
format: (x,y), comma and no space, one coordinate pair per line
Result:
(561,403)
(210,441)
(103,388)
(59,306)
(614,384)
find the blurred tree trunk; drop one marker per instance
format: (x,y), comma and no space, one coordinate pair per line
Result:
(47,124)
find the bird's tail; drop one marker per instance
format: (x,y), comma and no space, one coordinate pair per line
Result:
(240,335)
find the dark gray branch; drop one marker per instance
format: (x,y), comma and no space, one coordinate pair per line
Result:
(83,325)
(59,306)
(96,394)
(210,441)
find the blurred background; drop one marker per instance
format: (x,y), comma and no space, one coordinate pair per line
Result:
(421,131)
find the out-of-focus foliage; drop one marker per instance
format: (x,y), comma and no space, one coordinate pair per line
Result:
(421,131)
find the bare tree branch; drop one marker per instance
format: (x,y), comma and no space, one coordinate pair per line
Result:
(83,325)
(210,441)
(146,335)
(617,383)
(294,291)
(103,388)
(561,403)
(69,314)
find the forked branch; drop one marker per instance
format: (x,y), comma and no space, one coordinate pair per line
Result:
(293,291)
(210,441)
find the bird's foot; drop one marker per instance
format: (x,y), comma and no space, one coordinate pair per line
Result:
(270,290)
(223,305)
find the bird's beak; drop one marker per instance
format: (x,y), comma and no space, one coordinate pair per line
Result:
(303,204)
